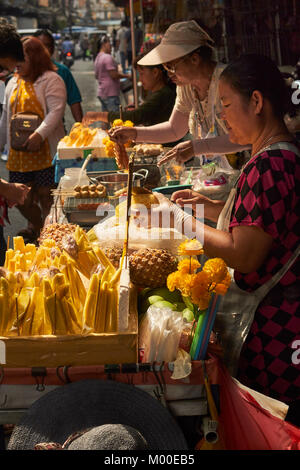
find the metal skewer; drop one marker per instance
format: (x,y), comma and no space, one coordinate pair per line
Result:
(129,194)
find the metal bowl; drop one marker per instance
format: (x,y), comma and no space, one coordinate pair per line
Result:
(116,181)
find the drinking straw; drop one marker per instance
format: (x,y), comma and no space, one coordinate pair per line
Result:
(212,311)
(203,329)
(197,334)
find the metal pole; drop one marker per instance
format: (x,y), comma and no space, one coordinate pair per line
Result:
(142,16)
(134,77)
(277,27)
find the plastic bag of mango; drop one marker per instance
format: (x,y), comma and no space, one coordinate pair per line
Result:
(42,293)
(109,144)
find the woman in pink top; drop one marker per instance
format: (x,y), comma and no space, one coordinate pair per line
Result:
(108,76)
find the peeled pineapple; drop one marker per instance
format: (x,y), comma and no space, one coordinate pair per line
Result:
(114,255)
(150,267)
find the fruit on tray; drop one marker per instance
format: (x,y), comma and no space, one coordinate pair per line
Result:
(80,136)
(100,312)
(49,297)
(114,255)
(56,232)
(81,252)
(150,267)
(90,191)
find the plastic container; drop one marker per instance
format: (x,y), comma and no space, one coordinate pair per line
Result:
(73,177)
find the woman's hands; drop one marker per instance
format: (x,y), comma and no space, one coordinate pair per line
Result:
(122,134)
(33,143)
(14,193)
(212,208)
(181,153)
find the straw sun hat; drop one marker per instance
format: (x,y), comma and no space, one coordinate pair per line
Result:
(97,415)
(179,39)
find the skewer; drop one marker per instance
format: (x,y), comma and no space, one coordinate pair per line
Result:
(129,193)
(121,112)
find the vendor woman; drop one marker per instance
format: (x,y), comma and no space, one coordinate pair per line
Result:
(264,227)
(159,102)
(186,50)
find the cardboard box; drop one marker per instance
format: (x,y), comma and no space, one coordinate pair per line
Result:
(80,152)
(76,350)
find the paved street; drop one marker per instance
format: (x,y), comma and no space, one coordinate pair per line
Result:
(84,75)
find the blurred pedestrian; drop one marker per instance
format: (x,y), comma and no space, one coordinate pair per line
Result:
(85,44)
(73,94)
(122,45)
(36,89)
(108,76)
(11,53)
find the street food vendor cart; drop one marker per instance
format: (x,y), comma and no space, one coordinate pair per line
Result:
(53,336)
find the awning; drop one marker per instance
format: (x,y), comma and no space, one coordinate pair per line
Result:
(109,22)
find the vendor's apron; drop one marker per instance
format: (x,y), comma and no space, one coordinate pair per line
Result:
(237,308)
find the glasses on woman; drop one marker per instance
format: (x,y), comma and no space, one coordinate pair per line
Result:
(171,68)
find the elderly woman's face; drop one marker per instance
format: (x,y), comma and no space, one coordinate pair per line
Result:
(236,114)
(182,69)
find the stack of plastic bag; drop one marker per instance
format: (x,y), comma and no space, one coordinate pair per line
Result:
(159,334)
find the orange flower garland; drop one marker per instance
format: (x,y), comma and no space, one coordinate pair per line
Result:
(198,286)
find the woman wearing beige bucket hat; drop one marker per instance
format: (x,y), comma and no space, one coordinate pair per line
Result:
(186,50)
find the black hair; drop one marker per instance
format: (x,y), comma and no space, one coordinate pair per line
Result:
(48,33)
(10,42)
(165,75)
(102,40)
(205,52)
(258,72)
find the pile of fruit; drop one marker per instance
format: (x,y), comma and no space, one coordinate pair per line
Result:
(161,297)
(149,267)
(80,136)
(60,290)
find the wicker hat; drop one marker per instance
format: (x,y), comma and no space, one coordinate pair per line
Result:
(179,39)
(97,415)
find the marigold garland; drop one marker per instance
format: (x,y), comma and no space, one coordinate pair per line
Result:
(189,266)
(190,248)
(199,285)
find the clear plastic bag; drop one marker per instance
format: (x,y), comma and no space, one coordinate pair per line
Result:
(111,235)
(215,182)
(159,334)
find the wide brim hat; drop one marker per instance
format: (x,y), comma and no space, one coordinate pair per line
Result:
(84,408)
(179,40)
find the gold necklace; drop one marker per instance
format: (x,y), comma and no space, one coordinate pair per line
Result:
(265,145)
(203,108)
